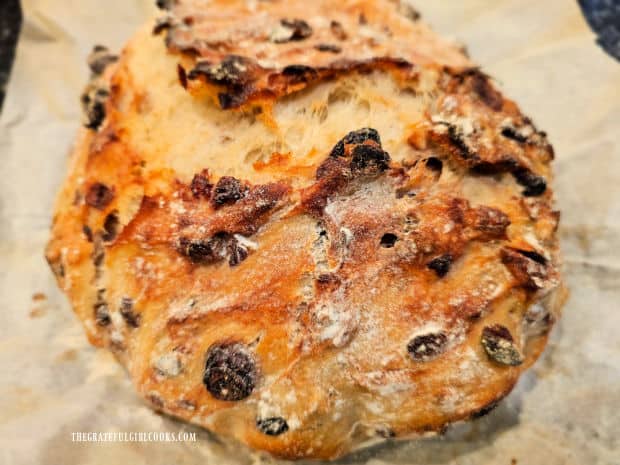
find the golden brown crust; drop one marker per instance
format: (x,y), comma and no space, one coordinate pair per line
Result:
(367,252)
(295,46)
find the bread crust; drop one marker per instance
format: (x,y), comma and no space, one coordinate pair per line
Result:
(308,231)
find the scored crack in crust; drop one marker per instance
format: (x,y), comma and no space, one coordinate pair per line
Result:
(306,225)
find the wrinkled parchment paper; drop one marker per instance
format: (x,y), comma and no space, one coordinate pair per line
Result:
(566,410)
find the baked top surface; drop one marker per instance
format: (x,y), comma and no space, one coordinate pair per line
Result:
(308,247)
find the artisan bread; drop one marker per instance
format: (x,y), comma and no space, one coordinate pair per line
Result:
(308,225)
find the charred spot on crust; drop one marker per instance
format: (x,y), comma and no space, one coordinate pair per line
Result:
(533,255)
(200,186)
(128,313)
(222,245)
(93,106)
(534,185)
(426,347)
(99,196)
(356,137)
(299,73)
(511,133)
(434,164)
(485,410)
(331,48)
(102,311)
(441,265)
(99,59)
(499,345)
(388,240)
(233,71)
(230,371)
(369,158)
(161,25)
(111,226)
(228,101)
(227,190)
(291,30)
(272,426)
(457,140)
(337,30)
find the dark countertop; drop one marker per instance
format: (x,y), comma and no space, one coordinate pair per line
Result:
(604,18)
(10,23)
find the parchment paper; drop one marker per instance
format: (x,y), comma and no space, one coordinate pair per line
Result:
(564,411)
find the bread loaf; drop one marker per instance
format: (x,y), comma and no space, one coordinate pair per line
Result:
(308,225)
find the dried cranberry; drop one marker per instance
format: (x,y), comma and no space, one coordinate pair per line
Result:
(434,164)
(534,185)
(331,48)
(182,75)
(128,313)
(227,190)
(355,137)
(299,28)
(102,311)
(500,346)
(273,426)
(99,59)
(427,346)
(533,255)
(204,251)
(457,140)
(233,70)
(111,227)
(299,73)
(200,186)
(369,158)
(164,4)
(236,252)
(230,371)
(511,133)
(388,240)
(441,265)
(99,195)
